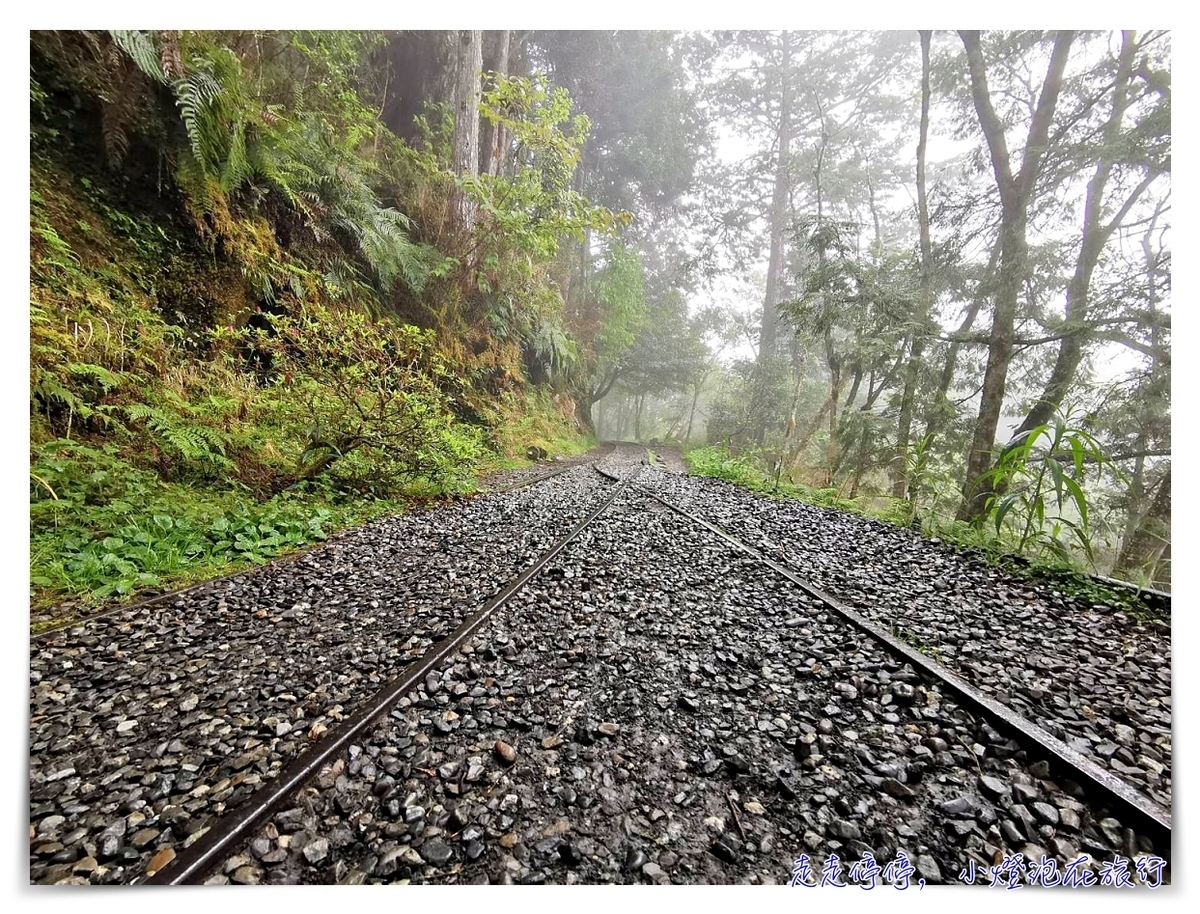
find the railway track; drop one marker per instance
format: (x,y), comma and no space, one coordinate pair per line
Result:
(518,480)
(198,701)
(1062,759)
(227,832)
(1097,681)
(761,710)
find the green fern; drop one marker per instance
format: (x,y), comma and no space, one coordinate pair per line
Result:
(143,50)
(553,346)
(108,380)
(196,95)
(194,443)
(49,389)
(237,168)
(234,140)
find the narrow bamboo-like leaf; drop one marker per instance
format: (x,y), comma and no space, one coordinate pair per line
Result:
(1005,507)
(1080,499)
(1056,472)
(1077,454)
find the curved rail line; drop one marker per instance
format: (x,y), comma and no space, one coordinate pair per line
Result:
(279,560)
(1153,598)
(569,465)
(194,862)
(1153,819)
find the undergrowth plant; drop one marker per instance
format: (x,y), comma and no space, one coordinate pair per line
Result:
(745,469)
(1039,483)
(101,527)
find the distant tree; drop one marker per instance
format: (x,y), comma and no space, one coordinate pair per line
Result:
(1016,192)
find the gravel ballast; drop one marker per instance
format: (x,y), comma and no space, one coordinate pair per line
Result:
(653,707)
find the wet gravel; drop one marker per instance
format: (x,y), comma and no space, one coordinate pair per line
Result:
(655,708)
(505,480)
(145,724)
(1090,675)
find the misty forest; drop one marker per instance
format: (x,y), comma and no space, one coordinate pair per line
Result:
(287,282)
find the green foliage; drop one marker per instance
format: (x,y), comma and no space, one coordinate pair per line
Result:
(621,291)
(750,400)
(371,390)
(101,527)
(324,180)
(552,346)
(717,463)
(143,50)
(534,418)
(607,319)
(537,206)
(859,307)
(745,469)
(176,431)
(1050,461)
(252,133)
(170,441)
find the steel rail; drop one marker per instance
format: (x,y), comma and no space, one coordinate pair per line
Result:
(1153,599)
(1154,820)
(277,561)
(558,472)
(195,861)
(1129,585)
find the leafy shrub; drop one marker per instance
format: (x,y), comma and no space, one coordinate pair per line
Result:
(374,390)
(718,463)
(745,470)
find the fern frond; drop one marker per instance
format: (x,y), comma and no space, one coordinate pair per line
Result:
(196,443)
(108,380)
(195,95)
(49,388)
(112,129)
(143,51)
(237,168)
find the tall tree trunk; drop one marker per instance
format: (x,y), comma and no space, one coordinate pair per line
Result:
(467,61)
(1141,553)
(687,438)
(492,139)
(835,392)
(583,415)
(900,480)
(1135,494)
(637,421)
(1160,578)
(861,464)
(1095,237)
(1015,194)
(769,335)
(673,431)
